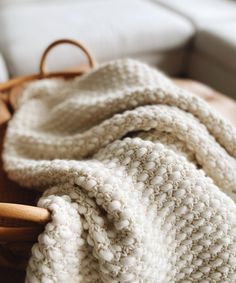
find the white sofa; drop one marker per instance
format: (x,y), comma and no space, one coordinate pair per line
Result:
(212,56)
(195,38)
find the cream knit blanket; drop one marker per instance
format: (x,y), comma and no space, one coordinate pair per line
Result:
(140,177)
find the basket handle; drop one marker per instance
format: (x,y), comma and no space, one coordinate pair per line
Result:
(24,212)
(42,66)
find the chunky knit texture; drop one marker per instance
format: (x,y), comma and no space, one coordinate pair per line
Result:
(140,177)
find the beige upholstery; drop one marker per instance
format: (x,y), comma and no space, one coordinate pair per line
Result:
(192,37)
(111,29)
(171,62)
(219,42)
(209,71)
(213,60)
(203,12)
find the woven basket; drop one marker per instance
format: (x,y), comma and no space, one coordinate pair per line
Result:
(20,220)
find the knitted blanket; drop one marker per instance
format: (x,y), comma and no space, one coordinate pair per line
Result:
(139,176)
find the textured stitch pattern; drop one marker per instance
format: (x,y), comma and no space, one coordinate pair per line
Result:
(140,177)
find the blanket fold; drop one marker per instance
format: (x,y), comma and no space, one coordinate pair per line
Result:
(139,176)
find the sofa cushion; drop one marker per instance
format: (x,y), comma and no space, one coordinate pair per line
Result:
(202,12)
(213,59)
(208,70)
(19,2)
(219,42)
(213,56)
(111,29)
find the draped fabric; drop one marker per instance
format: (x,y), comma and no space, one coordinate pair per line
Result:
(139,176)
